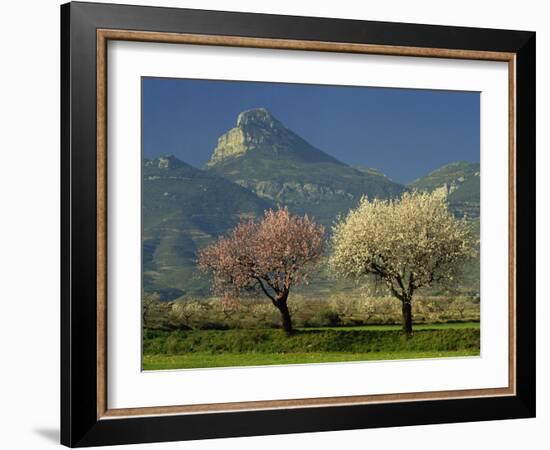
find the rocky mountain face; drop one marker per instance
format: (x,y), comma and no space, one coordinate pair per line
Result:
(461,180)
(257,131)
(265,157)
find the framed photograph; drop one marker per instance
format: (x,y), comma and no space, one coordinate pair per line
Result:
(276,224)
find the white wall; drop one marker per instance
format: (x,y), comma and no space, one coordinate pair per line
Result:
(29,250)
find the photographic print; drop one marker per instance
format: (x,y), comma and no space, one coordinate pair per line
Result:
(301,224)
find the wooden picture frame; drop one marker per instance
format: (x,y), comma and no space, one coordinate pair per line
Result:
(86,418)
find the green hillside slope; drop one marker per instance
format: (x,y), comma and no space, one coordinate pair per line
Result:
(185,208)
(462,181)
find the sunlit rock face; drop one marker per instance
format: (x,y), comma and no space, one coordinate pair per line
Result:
(258,130)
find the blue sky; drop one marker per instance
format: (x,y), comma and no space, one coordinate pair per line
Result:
(405,133)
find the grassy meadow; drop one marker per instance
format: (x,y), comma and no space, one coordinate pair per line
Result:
(206,360)
(185,349)
(355,326)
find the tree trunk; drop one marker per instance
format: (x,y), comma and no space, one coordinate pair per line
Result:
(407,316)
(285,314)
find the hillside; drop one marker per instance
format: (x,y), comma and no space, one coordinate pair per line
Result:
(185,208)
(461,179)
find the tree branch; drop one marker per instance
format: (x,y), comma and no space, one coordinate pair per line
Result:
(266,292)
(411,286)
(394,291)
(400,283)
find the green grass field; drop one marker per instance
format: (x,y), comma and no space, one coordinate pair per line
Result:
(207,360)
(185,349)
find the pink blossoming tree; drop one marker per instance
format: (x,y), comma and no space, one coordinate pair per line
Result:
(270,256)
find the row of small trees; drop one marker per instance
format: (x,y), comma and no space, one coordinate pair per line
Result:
(349,309)
(406,244)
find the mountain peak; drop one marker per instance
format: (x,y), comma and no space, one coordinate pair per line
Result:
(165,162)
(258,117)
(258,132)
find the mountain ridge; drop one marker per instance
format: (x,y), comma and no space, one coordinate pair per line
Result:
(264,156)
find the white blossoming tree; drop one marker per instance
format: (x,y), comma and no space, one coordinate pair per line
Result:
(408,243)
